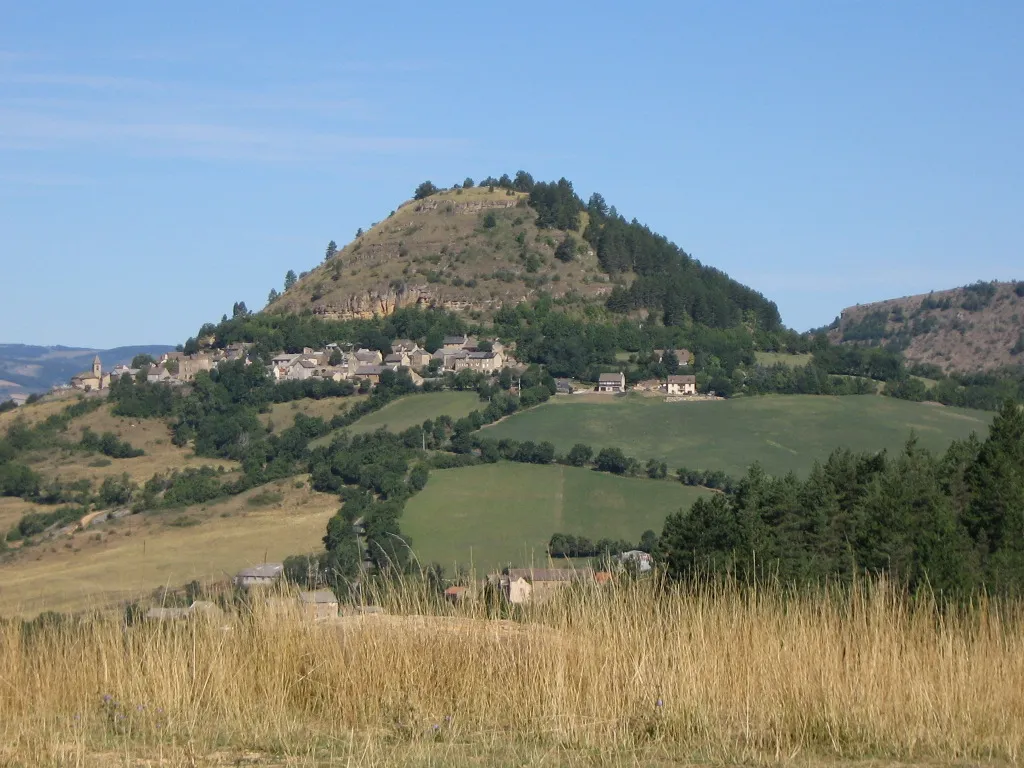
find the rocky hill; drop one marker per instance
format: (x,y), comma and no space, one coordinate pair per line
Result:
(461,249)
(977,327)
(474,249)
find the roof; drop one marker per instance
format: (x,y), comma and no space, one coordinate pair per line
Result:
(394,357)
(263,571)
(616,377)
(480,355)
(308,364)
(454,591)
(320,596)
(688,378)
(455,339)
(369,370)
(602,577)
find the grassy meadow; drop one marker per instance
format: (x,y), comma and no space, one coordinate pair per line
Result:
(496,514)
(126,558)
(622,676)
(786,358)
(783,432)
(413,410)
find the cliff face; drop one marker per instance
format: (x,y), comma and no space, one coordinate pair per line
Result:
(461,250)
(972,328)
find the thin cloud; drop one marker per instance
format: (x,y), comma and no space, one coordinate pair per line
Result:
(27,130)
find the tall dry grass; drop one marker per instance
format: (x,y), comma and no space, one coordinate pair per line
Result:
(713,673)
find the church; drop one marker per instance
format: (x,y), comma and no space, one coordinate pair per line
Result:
(93,380)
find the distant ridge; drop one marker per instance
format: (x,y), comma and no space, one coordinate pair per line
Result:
(978,327)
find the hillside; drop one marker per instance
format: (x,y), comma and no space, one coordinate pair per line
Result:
(474,249)
(29,368)
(439,252)
(783,433)
(977,327)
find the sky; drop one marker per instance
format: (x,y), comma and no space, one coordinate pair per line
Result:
(160,161)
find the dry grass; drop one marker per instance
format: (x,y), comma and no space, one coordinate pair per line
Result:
(706,675)
(123,559)
(282,415)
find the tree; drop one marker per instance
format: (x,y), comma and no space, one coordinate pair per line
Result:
(612,460)
(289,279)
(332,249)
(426,189)
(566,249)
(272,296)
(490,220)
(579,455)
(239,309)
(359,233)
(468,183)
(336,357)
(142,360)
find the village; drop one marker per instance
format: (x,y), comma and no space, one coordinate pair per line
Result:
(345,362)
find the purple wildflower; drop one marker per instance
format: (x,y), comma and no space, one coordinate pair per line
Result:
(659,703)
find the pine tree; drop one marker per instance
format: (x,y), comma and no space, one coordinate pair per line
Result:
(332,248)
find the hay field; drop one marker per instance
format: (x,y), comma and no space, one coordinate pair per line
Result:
(628,676)
(125,558)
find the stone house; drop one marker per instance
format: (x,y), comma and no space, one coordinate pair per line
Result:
(264,575)
(681,384)
(370,373)
(158,374)
(319,605)
(397,358)
(419,358)
(484,362)
(368,356)
(458,342)
(403,345)
(526,585)
(612,382)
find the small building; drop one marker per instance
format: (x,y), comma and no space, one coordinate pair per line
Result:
(638,559)
(318,605)
(612,382)
(370,373)
(264,575)
(525,585)
(93,379)
(682,384)
(563,387)
(459,342)
(484,362)
(456,594)
(403,345)
(368,356)
(419,358)
(397,358)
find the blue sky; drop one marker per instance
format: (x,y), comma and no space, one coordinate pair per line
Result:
(160,161)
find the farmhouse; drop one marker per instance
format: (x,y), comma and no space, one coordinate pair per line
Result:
(681,385)
(611,382)
(264,575)
(525,585)
(321,604)
(369,372)
(484,362)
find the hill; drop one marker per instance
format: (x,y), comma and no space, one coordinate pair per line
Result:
(785,433)
(475,248)
(29,368)
(977,327)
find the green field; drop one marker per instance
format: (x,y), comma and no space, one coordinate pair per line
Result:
(413,410)
(496,514)
(783,432)
(794,361)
